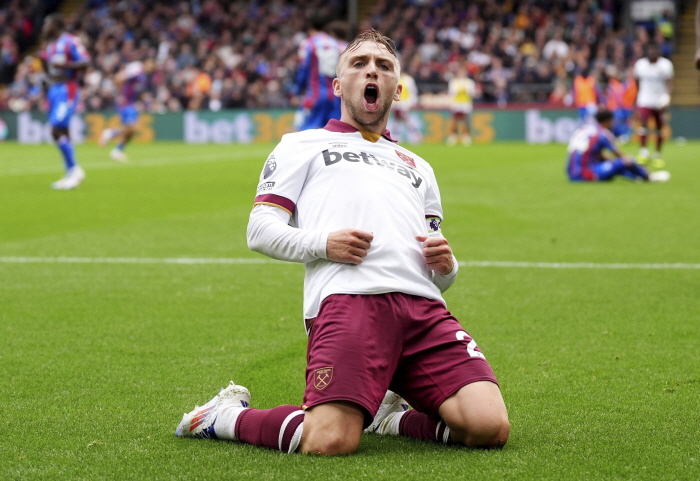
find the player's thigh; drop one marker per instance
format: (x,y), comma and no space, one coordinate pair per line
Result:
(644,114)
(477,415)
(353,350)
(439,358)
(608,169)
(332,428)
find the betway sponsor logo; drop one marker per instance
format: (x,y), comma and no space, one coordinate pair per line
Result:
(540,130)
(331,157)
(200,129)
(32,131)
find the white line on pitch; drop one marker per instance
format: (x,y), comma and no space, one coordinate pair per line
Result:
(147,162)
(576,265)
(256,260)
(136,260)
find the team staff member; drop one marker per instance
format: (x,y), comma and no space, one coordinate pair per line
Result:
(365,219)
(586,96)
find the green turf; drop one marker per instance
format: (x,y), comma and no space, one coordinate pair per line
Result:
(600,368)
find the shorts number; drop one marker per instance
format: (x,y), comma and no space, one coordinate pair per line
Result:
(61,111)
(471,347)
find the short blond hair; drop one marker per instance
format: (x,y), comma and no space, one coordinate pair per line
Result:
(375,36)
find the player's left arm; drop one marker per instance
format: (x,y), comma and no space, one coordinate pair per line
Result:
(436,250)
(607,140)
(303,73)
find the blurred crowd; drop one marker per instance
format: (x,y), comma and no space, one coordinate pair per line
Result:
(217,54)
(527,51)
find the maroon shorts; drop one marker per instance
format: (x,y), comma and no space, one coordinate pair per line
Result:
(362,345)
(645,114)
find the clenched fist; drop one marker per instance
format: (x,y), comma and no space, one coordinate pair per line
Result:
(437,253)
(348,246)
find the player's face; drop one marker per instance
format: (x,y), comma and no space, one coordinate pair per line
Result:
(654,54)
(48,29)
(368,82)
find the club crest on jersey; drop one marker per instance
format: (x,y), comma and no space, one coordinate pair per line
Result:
(323,377)
(270,167)
(406,159)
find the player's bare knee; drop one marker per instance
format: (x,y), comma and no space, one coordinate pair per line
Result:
(487,433)
(330,443)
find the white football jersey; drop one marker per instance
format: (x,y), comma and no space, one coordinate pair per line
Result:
(652,81)
(332,179)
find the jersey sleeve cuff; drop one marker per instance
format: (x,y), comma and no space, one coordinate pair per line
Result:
(321,243)
(276,201)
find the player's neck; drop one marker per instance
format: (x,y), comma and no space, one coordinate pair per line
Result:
(377,128)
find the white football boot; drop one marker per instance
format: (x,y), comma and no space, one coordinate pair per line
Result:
(72,179)
(118,155)
(659,176)
(392,403)
(200,422)
(105,137)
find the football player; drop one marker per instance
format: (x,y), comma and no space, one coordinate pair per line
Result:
(364,216)
(654,74)
(64,59)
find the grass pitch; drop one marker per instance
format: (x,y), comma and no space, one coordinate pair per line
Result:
(599,367)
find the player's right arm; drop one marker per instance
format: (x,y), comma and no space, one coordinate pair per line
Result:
(269,232)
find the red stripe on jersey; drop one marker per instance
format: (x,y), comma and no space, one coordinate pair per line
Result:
(72,90)
(277,200)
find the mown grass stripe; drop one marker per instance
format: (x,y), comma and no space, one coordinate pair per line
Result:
(253,260)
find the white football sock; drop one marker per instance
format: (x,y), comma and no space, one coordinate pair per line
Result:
(225,424)
(390,425)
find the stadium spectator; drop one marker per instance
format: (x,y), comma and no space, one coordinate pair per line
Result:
(516,51)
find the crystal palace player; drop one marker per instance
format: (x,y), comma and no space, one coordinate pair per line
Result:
(132,80)
(64,58)
(586,155)
(365,219)
(318,59)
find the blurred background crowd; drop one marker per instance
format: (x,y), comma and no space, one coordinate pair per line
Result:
(217,54)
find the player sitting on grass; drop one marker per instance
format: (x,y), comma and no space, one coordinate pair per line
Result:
(586,155)
(365,219)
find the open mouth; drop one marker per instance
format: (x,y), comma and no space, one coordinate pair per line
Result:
(371,96)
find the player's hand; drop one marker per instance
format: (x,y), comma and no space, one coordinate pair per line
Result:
(348,246)
(437,253)
(697,59)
